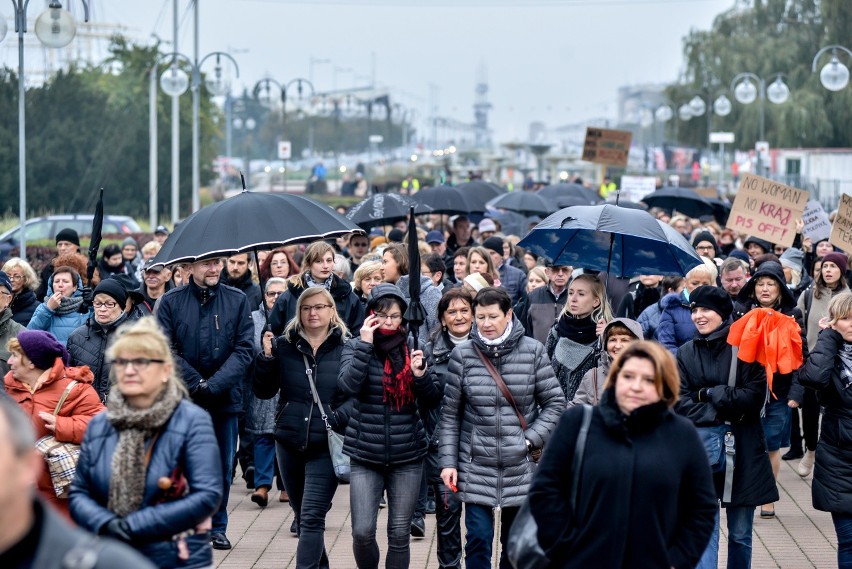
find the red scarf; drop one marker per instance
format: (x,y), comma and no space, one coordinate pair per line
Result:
(397,378)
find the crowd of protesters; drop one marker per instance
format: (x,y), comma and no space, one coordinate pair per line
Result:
(172,376)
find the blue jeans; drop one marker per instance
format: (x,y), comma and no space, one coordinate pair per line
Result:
(843,527)
(264,460)
(367,482)
(479,521)
(226,429)
(740,524)
(311,483)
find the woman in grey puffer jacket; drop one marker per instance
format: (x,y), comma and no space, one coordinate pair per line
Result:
(483,448)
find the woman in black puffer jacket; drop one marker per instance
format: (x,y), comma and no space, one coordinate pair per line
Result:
(385,438)
(315,338)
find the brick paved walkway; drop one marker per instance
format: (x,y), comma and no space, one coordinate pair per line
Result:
(799,537)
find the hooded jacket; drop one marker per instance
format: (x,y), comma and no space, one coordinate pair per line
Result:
(705,362)
(186,439)
(592,385)
(23,306)
(646,497)
(349,307)
(832,485)
(481,436)
(675,327)
(80,406)
(60,325)
(784,386)
(87,345)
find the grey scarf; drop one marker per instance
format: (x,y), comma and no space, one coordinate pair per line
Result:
(310,282)
(846,358)
(67,304)
(134,426)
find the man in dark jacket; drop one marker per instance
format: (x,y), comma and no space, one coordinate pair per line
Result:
(544,304)
(461,235)
(238,275)
(707,400)
(156,281)
(512,279)
(210,328)
(32,534)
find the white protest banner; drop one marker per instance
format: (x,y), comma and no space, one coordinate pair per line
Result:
(817,226)
(841,230)
(634,188)
(767,209)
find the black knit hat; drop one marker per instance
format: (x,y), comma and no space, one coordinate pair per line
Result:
(69,235)
(713,298)
(495,244)
(114,289)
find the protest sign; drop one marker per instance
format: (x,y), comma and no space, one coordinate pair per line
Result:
(606,146)
(817,225)
(634,188)
(707,192)
(767,209)
(841,230)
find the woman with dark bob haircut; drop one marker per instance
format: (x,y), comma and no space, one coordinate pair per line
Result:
(646,496)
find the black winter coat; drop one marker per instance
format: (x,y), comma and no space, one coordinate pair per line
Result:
(87,345)
(832,486)
(377,433)
(285,372)
(245,284)
(645,498)
(23,306)
(706,362)
(349,307)
(212,342)
(186,440)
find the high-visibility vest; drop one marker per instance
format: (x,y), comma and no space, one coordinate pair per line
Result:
(415,184)
(607,189)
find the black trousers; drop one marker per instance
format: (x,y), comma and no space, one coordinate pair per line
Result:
(809,423)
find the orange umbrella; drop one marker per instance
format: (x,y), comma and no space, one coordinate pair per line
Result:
(773,339)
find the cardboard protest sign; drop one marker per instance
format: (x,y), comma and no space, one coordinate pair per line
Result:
(841,230)
(606,146)
(635,188)
(817,225)
(707,192)
(767,209)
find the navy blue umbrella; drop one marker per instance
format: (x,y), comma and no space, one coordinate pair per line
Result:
(623,242)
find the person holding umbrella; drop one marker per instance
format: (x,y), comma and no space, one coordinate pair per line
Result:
(317,270)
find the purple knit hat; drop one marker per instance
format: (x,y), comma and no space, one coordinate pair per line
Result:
(42,348)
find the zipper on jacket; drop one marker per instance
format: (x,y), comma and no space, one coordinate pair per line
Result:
(499,430)
(387,435)
(309,372)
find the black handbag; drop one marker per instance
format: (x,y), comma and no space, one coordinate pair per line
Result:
(523,549)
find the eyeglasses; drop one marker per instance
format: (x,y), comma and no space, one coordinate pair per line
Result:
(315,308)
(705,248)
(560,269)
(139,364)
(278,264)
(16,277)
(392,317)
(274,293)
(108,304)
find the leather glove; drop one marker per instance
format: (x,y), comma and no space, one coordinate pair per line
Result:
(704,394)
(88,298)
(117,528)
(202,394)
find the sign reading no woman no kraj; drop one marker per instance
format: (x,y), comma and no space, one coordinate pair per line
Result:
(841,230)
(767,209)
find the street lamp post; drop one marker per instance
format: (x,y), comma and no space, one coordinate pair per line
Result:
(745,91)
(174,83)
(55,28)
(834,75)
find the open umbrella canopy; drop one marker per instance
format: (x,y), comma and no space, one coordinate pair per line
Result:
(628,204)
(251,221)
(623,242)
(682,200)
(556,191)
(446,199)
(382,209)
(479,192)
(721,210)
(526,203)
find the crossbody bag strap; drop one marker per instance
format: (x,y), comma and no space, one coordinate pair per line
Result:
(64,395)
(730,443)
(498,379)
(309,371)
(150,451)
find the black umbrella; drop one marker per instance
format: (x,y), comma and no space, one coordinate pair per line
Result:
(97,233)
(511,223)
(381,209)
(252,221)
(526,203)
(623,242)
(721,210)
(445,199)
(480,192)
(415,313)
(555,191)
(569,200)
(682,200)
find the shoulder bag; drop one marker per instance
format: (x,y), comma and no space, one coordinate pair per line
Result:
(535,453)
(718,440)
(523,549)
(339,460)
(61,458)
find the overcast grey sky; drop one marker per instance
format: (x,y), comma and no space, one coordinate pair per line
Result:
(557,61)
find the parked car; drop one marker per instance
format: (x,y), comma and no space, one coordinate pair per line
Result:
(46,228)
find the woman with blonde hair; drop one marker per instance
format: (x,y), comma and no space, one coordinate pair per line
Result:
(317,271)
(149,471)
(24,284)
(367,275)
(640,447)
(313,341)
(676,327)
(573,344)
